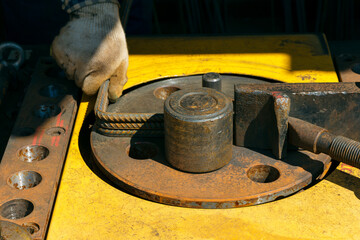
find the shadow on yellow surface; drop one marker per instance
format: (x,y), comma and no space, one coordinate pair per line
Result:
(346,180)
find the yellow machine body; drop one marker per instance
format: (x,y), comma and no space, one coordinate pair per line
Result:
(89,208)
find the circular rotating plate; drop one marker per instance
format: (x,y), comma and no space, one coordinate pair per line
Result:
(252,176)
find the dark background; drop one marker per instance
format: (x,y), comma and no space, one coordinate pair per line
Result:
(38,21)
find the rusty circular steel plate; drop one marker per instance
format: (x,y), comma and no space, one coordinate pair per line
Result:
(247,180)
(252,177)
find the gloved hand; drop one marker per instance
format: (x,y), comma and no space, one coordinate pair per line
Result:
(91,48)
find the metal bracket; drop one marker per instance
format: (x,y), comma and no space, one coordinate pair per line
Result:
(32,163)
(262,111)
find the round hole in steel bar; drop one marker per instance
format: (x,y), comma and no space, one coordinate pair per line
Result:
(31,227)
(142,150)
(33,153)
(16,209)
(24,180)
(356,68)
(263,173)
(25,131)
(52,91)
(346,57)
(164,92)
(55,131)
(47,110)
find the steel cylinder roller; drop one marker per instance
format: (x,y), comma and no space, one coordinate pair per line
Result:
(198,130)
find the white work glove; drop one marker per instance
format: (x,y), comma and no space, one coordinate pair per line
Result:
(91,48)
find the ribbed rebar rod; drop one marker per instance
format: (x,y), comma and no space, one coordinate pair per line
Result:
(102,102)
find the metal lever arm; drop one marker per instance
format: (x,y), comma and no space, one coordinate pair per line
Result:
(318,140)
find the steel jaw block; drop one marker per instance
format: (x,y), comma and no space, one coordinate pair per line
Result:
(262,112)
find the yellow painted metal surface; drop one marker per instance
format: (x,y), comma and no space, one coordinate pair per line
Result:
(89,208)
